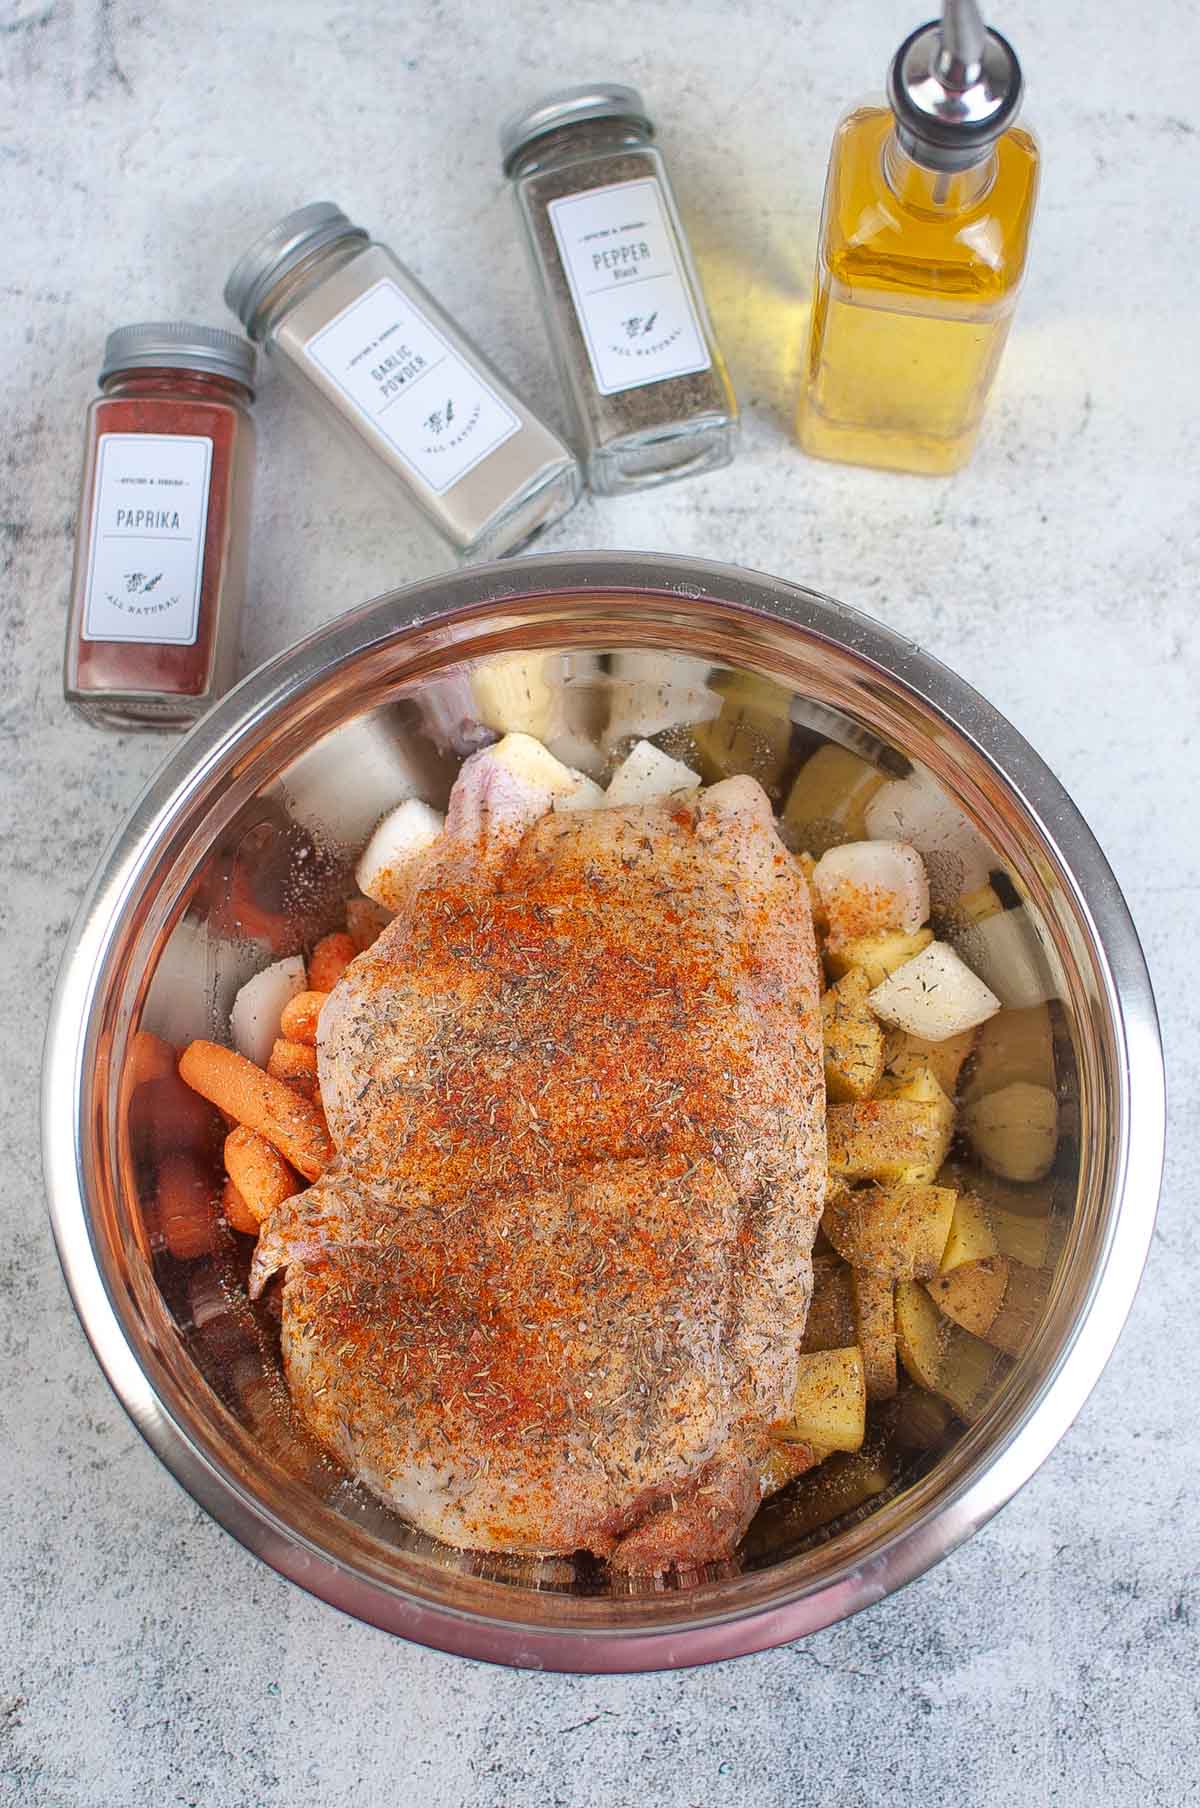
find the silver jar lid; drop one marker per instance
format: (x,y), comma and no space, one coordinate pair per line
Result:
(570,107)
(279,250)
(954,87)
(180,345)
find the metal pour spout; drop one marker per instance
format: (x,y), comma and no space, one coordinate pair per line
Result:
(954,87)
(962,41)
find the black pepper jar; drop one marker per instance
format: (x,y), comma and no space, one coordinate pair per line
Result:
(631,334)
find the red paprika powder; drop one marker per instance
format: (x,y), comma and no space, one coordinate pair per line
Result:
(164,511)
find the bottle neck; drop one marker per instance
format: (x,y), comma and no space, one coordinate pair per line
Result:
(936,191)
(168,384)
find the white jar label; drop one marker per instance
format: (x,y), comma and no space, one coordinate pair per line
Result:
(146,559)
(632,297)
(409,385)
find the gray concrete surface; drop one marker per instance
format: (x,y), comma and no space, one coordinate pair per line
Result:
(145,1659)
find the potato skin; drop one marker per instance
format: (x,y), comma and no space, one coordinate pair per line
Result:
(972,1293)
(940,1356)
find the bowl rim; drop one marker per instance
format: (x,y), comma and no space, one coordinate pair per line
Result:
(1140,1096)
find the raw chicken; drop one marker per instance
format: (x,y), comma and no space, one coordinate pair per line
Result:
(550,1294)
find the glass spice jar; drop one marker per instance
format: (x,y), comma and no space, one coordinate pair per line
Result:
(630,331)
(356,333)
(164,513)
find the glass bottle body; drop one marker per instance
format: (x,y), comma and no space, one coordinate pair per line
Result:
(167,483)
(629,328)
(918,273)
(358,336)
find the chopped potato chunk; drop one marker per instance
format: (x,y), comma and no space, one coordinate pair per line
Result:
(830,1324)
(987,1221)
(972,1293)
(853,1039)
(898,1140)
(922,1089)
(877,955)
(825,805)
(941,1356)
(875,1318)
(972,1238)
(1015,1131)
(904,1056)
(921,1334)
(829,1408)
(783,1463)
(897,1231)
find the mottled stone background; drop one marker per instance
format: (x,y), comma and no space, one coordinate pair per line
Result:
(145,1659)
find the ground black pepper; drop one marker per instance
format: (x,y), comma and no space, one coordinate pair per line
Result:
(631,334)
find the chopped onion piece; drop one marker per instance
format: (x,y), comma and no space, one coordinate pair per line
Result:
(254,1019)
(587,795)
(403,834)
(935,995)
(917,810)
(870,886)
(1007,953)
(647,773)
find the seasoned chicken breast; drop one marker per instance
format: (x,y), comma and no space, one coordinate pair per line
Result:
(550,1294)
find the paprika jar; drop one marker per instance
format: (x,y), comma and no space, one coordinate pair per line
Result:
(164,513)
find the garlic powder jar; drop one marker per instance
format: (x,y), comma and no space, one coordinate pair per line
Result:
(356,333)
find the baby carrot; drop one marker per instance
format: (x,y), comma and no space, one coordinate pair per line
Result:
(167,1117)
(298,1019)
(185,1207)
(238,1215)
(258,1171)
(329,960)
(259,1101)
(149,1058)
(296,1064)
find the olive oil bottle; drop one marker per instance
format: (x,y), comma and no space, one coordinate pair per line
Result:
(924,234)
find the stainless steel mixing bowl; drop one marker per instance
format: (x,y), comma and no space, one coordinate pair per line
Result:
(239,850)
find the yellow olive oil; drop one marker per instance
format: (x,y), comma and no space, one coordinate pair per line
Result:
(921,254)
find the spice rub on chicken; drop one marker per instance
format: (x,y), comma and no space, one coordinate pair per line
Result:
(550,1293)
